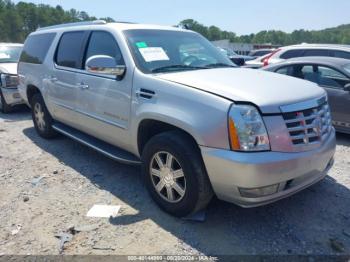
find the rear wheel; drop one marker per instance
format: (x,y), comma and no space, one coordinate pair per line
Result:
(175,175)
(4,107)
(42,118)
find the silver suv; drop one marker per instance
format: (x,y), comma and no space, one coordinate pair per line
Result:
(167,99)
(9,96)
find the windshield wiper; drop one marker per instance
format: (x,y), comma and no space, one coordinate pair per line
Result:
(219,65)
(184,67)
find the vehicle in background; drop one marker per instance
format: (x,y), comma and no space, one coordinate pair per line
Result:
(167,99)
(9,95)
(260,52)
(256,63)
(304,50)
(239,60)
(333,74)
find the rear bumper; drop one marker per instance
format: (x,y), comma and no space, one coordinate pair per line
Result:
(12,96)
(230,172)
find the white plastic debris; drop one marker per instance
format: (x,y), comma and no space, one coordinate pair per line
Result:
(103,211)
(16,231)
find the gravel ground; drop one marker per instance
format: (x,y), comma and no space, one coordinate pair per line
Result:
(47,187)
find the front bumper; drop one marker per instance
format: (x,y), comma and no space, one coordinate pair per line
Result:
(231,171)
(12,96)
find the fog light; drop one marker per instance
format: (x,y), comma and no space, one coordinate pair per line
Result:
(259,192)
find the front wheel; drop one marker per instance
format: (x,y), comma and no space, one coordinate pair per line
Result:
(175,175)
(42,118)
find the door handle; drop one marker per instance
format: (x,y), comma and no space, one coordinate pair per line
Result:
(83,86)
(53,79)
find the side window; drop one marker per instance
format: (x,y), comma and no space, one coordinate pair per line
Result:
(103,43)
(317,52)
(69,51)
(342,54)
(292,54)
(309,72)
(332,78)
(287,70)
(36,47)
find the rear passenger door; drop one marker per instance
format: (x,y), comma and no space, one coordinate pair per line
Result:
(63,78)
(104,102)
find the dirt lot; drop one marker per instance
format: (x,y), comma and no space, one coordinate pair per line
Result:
(47,187)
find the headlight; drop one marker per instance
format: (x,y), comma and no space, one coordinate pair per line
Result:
(247,129)
(9,81)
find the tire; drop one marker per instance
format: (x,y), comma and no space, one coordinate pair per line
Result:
(194,184)
(42,118)
(4,107)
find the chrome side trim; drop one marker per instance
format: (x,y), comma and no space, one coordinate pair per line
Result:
(100,119)
(63,105)
(303,105)
(89,115)
(114,157)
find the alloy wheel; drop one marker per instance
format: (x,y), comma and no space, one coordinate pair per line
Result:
(168,177)
(39,116)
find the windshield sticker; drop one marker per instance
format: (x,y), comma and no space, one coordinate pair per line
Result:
(141,44)
(151,54)
(4,56)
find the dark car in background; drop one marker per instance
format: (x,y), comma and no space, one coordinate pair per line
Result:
(333,74)
(260,52)
(239,60)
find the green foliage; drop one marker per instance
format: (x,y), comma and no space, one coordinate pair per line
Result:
(19,20)
(337,35)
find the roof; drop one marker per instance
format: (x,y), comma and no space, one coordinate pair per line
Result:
(98,23)
(337,63)
(323,46)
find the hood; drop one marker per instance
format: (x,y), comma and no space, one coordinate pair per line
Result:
(8,68)
(267,90)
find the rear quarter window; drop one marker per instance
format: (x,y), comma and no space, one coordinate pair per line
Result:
(292,54)
(36,47)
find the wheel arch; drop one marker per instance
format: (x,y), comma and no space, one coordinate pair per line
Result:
(151,127)
(31,91)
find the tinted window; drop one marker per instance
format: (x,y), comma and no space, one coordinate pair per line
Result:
(292,54)
(342,54)
(36,47)
(316,52)
(102,43)
(69,52)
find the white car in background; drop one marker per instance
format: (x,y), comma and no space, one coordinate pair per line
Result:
(9,57)
(303,50)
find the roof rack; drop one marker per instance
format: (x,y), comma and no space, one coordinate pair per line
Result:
(96,22)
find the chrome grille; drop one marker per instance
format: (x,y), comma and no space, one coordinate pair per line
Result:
(310,126)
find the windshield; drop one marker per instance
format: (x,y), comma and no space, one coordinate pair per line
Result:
(157,51)
(10,54)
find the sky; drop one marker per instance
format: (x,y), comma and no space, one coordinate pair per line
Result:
(241,17)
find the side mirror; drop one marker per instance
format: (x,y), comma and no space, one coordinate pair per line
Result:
(104,65)
(347,87)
